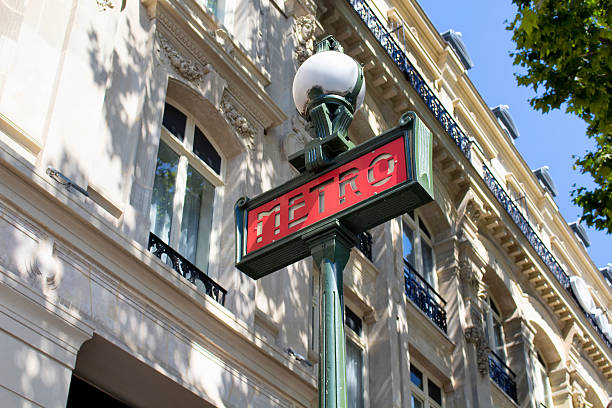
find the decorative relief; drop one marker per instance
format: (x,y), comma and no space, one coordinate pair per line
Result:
(44,266)
(475,335)
(182,38)
(473,211)
(104,5)
(579,397)
(304,31)
(239,123)
(471,278)
(183,66)
(296,139)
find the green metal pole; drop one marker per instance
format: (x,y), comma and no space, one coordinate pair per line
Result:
(331,253)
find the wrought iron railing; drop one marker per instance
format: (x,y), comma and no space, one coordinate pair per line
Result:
(186,269)
(394,51)
(364,244)
(386,40)
(502,375)
(593,320)
(536,243)
(522,223)
(424,296)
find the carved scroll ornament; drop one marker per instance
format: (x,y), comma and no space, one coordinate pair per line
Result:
(476,335)
(183,66)
(239,123)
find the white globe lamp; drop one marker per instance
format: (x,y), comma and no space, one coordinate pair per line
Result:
(331,76)
(328,89)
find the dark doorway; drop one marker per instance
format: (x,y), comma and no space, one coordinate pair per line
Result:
(82,394)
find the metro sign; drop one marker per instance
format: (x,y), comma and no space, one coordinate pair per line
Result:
(363,187)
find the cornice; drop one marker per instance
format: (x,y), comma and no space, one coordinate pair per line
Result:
(190,26)
(496,142)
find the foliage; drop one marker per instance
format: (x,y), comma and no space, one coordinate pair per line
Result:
(564,47)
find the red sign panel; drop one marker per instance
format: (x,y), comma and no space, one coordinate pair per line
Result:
(330,193)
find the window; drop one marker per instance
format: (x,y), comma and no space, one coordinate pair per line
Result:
(417,247)
(187,171)
(495,329)
(542,383)
(425,393)
(354,359)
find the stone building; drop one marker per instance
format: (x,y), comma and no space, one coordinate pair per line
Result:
(128,130)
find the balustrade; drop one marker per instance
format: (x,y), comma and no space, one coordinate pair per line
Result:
(364,244)
(502,375)
(424,296)
(186,269)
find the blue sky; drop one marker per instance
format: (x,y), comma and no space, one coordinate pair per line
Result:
(545,140)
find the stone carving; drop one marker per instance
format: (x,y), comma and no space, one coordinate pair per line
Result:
(475,335)
(181,37)
(473,211)
(471,278)
(224,40)
(304,31)
(296,139)
(181,65)
(239,123)
(43,266)
(578,397)
(104,5)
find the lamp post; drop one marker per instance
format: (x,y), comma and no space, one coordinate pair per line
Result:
(342,191)
(328,88)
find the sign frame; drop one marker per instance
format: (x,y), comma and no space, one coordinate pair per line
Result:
(415,191)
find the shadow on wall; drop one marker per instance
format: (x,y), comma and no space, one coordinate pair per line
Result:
(31,374)
(126,123)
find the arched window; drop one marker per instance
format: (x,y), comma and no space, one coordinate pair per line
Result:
(187,171)
(495,329)
(417,247)
(542,383)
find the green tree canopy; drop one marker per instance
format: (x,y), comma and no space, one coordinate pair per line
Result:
(564,47)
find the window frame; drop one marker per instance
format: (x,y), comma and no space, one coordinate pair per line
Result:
(418,236)
(491,317)
(184,150)
(359,341)
(542,390)
(423,394)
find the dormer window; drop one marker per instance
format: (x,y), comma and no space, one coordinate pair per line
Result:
(580,233)
(502,113)
(546,181)
(453,38)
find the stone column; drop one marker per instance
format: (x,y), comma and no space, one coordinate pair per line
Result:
(519,346)
(465,293)
(38,349)
(387,343)
(560,387)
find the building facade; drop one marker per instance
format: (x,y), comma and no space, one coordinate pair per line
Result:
(128,131)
